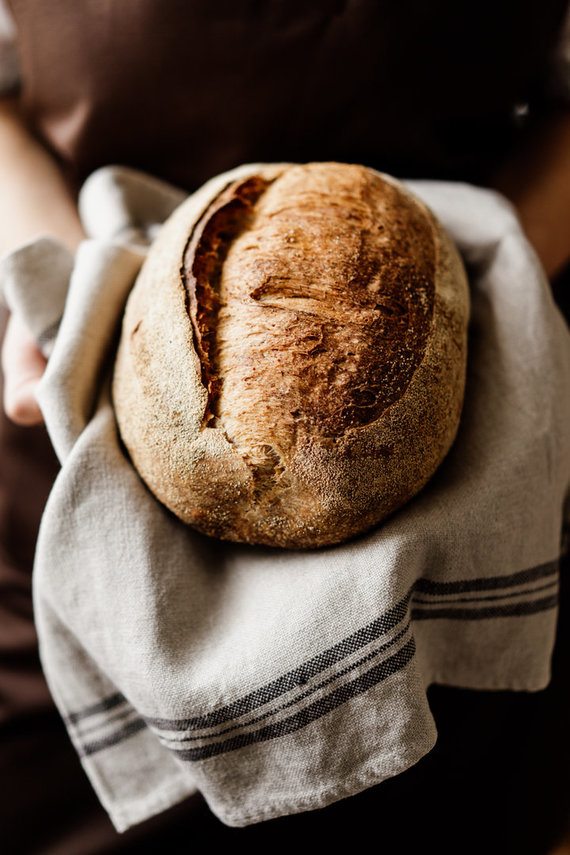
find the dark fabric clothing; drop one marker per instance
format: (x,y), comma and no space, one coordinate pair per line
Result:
(185,90)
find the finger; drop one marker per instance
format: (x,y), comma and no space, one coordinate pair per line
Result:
(23,365)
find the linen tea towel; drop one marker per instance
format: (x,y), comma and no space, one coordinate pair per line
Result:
(280,681)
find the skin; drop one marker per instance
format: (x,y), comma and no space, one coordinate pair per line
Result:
(35,200)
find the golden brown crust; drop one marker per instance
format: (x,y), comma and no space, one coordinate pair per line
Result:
(301,373)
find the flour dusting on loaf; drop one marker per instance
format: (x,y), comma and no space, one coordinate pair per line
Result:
(292,362)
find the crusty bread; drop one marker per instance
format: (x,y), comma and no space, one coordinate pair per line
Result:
(292,361)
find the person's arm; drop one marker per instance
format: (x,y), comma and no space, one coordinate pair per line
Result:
(34,201)
(537,180)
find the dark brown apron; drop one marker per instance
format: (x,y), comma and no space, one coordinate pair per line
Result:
(185,89)
(188,88)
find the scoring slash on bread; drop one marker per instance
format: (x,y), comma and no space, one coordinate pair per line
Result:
(291,367)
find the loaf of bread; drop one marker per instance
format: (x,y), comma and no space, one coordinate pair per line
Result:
(292,361)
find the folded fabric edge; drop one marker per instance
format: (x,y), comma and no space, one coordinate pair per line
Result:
(34,279)
(143,809)
(139,810)
(353,785)
(120,203)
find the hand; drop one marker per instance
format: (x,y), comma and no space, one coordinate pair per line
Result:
(23,365)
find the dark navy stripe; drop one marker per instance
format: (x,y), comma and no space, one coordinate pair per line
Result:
(511,610)
(312,712)
(493,583)
(101,706)
(371,632)
(297,698)
(89,748)
(349,690)
(527,592)
(293,679)
(85,730)
(298,720)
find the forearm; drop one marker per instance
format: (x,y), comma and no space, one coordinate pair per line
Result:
(34,201)
(34,197)
(537,181)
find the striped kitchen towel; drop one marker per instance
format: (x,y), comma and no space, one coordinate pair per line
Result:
(279,681)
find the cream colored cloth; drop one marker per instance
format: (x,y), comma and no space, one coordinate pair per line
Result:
(279,681)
